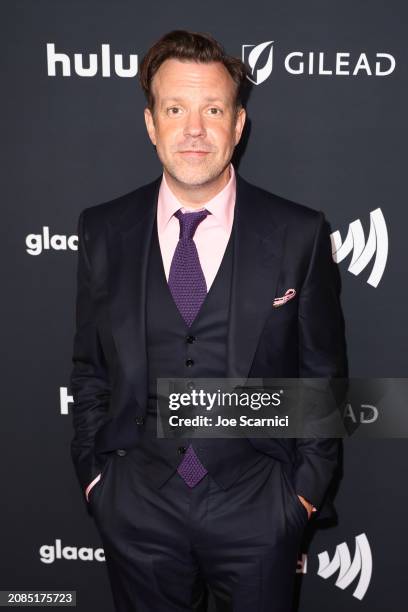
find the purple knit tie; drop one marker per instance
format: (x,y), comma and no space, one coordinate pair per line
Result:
(186,279)
(189,289)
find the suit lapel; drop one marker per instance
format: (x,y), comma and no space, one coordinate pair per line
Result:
(128,254)
(258,247)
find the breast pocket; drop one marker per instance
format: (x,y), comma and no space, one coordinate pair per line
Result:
(286,312)
(278,346)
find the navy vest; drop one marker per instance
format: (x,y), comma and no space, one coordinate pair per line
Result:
(175,350)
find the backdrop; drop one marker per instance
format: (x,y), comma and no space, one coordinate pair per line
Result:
(327,127)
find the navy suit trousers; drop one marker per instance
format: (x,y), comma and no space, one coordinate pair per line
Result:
(167,547)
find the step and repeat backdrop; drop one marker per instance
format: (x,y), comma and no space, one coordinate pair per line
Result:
(327,127)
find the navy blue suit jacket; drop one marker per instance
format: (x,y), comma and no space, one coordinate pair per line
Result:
(278,245)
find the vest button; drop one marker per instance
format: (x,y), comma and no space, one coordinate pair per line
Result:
(190,339)
(121,452)
(190,385)
(189,362)
(181,450)
(139,420)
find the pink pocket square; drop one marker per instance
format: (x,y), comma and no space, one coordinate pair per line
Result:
(279,301)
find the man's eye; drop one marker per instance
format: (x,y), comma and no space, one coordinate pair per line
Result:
(173,110)
(214,110)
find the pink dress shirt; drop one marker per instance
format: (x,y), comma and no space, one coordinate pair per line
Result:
(211,236)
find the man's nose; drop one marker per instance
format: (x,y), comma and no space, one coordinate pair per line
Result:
(194,125)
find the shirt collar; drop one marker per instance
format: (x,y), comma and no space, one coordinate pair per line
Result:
(221,205)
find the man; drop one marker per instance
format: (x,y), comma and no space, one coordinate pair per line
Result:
(199,274)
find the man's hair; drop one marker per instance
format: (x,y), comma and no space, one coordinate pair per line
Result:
(194,47)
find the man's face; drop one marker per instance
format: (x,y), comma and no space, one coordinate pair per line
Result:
(195,126)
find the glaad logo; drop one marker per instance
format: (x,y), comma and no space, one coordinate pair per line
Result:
(261,74)
(361,565)
(36,243)
(363,252)
(90,69)
(49,553)
(316,63)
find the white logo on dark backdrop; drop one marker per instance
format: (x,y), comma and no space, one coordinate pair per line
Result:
(49,553)
(364,414)
(92,65)
(259,59)
(362,251)
(37,243)
(348,570)
(251,58)
(321,63)
(65,400)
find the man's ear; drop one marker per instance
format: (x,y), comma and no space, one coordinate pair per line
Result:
(239,123)
(151,130)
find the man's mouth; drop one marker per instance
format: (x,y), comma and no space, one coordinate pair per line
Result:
(194,153)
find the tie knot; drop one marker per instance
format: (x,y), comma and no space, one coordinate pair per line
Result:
(189,222)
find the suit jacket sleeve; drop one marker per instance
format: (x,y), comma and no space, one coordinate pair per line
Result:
(89,380)
(322,355)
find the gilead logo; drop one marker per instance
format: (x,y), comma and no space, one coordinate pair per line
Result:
(251,55)
(49,553)
(90,64)
(341,64)
(259,59)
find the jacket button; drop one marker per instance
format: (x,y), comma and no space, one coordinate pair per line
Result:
(181,450)
(139,420)
(190,339)
(121,452)
(189,362)
(190,385)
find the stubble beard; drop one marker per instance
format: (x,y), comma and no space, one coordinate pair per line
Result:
(195,176)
